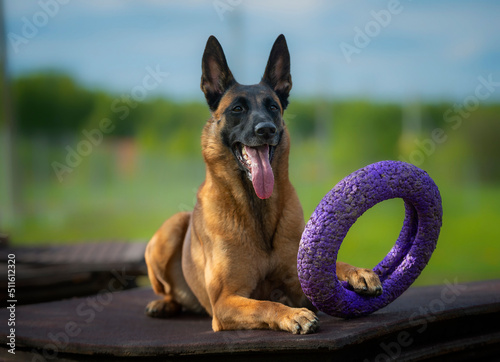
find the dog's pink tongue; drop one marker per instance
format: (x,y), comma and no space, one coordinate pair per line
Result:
(262,173)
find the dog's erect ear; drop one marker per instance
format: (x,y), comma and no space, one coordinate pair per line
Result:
(277,73)
(216,77)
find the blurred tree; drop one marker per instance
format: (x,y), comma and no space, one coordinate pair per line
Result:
(354,132)
(50,104)
(482,130)
(172,127)
(11,185)
(299,117)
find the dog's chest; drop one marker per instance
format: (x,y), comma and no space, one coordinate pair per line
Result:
(273,290)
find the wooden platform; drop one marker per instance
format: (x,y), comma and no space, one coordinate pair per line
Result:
(449,322)
(46,273)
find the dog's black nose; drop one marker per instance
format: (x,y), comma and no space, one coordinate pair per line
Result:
(265,129)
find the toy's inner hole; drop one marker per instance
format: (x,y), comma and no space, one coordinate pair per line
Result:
(373,234)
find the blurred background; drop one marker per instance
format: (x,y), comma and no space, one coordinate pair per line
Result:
(101,113)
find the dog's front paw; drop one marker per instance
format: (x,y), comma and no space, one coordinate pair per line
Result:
(300,321)
(162,309)
(364,281)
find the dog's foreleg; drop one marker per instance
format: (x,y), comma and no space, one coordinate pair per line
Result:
(237,312)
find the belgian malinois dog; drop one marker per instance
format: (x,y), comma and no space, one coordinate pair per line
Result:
(235,255)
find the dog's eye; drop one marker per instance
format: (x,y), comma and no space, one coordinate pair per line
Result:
(237,109)
(273,107)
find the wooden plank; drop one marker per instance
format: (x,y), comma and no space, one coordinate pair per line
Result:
(446,322)
(64,271)
(91,253)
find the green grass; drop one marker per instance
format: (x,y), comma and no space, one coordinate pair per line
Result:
(127,207)
(104,205)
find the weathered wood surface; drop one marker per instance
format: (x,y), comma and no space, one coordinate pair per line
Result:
(449,322)
(62,271)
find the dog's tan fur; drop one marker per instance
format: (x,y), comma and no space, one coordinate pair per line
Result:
(235,256)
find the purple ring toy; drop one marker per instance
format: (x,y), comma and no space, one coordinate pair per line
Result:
(339,210)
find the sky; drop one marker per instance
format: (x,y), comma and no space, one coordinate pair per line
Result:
(383,50)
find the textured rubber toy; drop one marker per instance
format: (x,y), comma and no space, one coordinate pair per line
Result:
(337,212)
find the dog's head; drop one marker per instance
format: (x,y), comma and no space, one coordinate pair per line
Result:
(249,118)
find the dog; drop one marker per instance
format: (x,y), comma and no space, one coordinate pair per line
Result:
(235,255)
